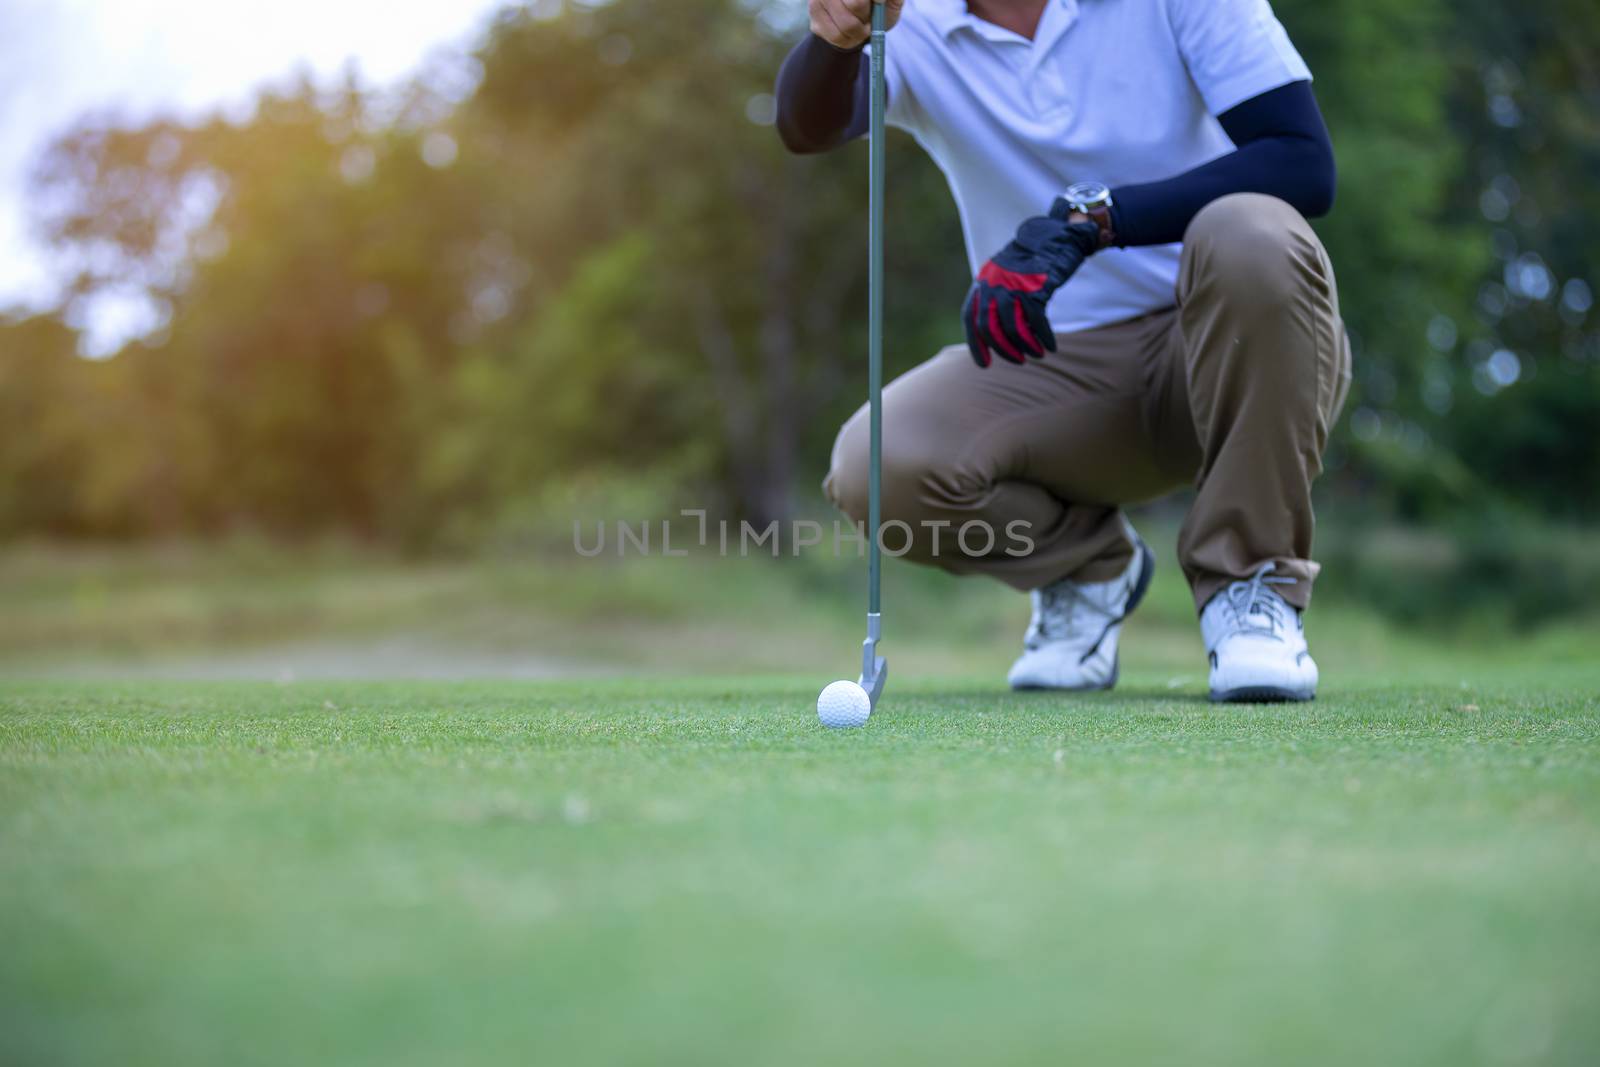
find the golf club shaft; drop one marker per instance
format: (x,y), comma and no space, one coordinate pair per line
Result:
(875,305)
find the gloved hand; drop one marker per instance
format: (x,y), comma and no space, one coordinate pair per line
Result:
(1005,311)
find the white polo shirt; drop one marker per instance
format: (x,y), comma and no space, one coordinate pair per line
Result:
(1118,91)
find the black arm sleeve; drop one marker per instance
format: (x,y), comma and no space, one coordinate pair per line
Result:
(822,96)
(1283,151)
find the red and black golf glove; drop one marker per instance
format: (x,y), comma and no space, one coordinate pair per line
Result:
(1005,311)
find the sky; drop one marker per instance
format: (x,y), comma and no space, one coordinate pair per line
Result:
(138,58)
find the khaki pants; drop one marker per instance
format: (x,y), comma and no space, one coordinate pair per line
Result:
(1234,390)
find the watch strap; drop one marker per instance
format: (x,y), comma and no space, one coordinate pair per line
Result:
(1101,214)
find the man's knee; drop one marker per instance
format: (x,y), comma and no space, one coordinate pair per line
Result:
(846,483)
(1254,245)
(919,475)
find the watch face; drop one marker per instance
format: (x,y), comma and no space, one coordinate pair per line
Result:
(1088,194)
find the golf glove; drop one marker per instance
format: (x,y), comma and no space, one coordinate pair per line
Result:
(1005,310)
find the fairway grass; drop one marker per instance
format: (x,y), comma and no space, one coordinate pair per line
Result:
(692,872)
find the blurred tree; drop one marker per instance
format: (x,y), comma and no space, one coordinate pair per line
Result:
(1515,379)
(584,251)
(1465,241)
(312,306)
(741,316)
(45,454)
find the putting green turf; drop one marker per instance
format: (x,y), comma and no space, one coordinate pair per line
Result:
(694,872)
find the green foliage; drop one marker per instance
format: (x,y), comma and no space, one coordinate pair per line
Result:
(46,451)
(611,265)
(1465,242)
(1527,97)
(1481,572)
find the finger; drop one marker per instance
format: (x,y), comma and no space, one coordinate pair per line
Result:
(994,333)
(860,10)
(825,23)
(1017,328)
(1006,310)
(969,319)
(1039,323)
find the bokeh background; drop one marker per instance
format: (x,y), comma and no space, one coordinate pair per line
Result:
(318,376)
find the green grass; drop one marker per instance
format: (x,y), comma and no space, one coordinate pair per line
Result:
(249,610)
(691,871)
(679,866)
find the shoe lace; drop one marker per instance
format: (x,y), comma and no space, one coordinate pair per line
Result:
(1251,599)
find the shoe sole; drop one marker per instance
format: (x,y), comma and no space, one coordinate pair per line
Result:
(1141,586)
(1261,694)
(1147,571)
(1116,670)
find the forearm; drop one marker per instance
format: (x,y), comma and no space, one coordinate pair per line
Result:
(822,96)
(1283,151)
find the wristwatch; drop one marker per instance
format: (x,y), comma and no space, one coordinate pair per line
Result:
(1094,200)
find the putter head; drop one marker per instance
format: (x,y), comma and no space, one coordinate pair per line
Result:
(874,668)
(873,682)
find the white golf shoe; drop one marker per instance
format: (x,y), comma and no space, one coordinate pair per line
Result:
(1072,641)
(1257,644)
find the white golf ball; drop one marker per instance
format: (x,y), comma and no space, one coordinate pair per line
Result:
(843,704)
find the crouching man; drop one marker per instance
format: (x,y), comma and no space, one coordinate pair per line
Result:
(1150,309)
